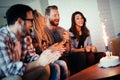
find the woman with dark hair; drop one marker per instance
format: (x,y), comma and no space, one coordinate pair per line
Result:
(80,35)
(80,42)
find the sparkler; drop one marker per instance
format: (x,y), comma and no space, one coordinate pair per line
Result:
(105,37)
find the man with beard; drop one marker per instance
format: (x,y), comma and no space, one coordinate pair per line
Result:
(19,22)
(56,34)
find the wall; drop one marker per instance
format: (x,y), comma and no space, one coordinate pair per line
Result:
(44,4)
(115,11)
(35,4)
(4,5)
(2,21)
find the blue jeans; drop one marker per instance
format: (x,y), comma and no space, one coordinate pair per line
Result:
(13,78)
(59,70)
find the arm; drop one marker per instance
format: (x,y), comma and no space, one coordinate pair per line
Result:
(88,45)
(67,45)
(74,44)
(8,65)
(47,56)
(66,40)
(65,36)
(78,50)
(88,41)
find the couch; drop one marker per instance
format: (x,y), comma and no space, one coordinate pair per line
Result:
(80,61)
(115,46)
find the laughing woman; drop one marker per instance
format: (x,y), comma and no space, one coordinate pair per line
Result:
(80,35)
(80,41)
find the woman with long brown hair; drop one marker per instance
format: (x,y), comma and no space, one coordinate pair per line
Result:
(43,42)
(80,35)
(80,42)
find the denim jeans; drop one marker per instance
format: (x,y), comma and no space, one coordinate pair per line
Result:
(12,78)
(59,70)
(38,73)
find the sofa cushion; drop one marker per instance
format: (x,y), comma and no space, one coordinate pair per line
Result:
(115,46)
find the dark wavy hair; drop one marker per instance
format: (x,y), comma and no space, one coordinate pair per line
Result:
(73,29)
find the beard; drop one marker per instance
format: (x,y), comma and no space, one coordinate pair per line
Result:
(24,30)
(54,22)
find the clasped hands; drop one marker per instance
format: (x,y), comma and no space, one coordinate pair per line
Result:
(90,49)
(51,54)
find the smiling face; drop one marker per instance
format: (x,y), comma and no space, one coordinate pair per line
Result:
(79,21)
(54,17)
(26,24)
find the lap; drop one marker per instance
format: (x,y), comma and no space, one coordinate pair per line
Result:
(36,74)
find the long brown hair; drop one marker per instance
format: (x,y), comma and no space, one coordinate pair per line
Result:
(73,25)
(39,27)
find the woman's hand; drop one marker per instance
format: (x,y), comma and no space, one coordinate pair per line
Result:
(90,49)
(58,47)
(51,54)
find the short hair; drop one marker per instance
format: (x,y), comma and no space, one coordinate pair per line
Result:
(47,10)
(17,11)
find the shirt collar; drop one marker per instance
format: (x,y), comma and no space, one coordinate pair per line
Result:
(11,34)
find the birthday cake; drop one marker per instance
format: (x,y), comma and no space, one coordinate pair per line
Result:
(109,61)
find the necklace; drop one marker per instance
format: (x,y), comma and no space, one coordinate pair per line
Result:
(80,33)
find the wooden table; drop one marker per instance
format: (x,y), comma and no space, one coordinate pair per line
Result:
(96,72)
